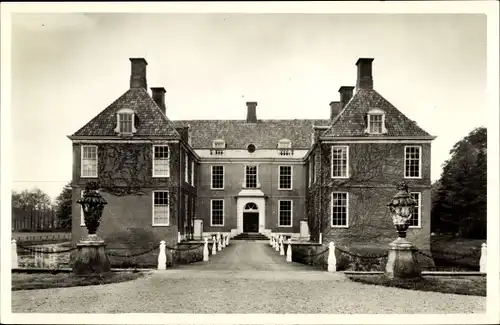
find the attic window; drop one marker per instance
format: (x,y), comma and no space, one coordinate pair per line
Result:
(376,122)
(284,147)
(125,122)
(218,147)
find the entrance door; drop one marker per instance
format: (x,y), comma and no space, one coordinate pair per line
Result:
(250,222)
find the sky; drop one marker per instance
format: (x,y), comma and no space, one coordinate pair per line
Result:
(66,68)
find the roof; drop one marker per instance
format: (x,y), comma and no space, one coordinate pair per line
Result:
(151,121)
(351,122)
(264,134)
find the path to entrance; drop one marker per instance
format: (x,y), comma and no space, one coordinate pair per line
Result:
(245,277)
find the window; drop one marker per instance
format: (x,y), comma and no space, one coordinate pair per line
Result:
(186,167)
(217,213)
(285,213)
(161,162)
(160,208)
(218,147)
(192,173)
(285,147)
(82,216)
(340,209)
(89,161)
(285,177)
(340,161)
(251,176)
(251,148)
(125,120)
(217,177)
(413,159)
(376,122)
(310,169)
(415,216)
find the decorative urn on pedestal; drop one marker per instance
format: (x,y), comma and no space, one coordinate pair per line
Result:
(402,259)
(91,258)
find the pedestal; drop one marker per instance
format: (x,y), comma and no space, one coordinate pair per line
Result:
(304,230)
(91,258)
(402,260)
(198,229)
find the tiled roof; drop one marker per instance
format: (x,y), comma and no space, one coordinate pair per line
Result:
(264,134)
(150,119)
(351,122)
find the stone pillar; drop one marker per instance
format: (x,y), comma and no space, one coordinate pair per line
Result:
(402,260)
(482,260)
(289,251)
(198,229)
(304,231)
(332,261)
(205,251)
(214,246)
(15,264)
(162,257)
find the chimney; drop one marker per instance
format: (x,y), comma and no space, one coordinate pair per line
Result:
(334,109)
(158,94)
(365,79)
(345,95)
(138,73)
(184,133)
(251,112)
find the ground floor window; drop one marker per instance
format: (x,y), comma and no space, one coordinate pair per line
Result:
(285,213)
(217,213)
(340,209)
(415,216)
(160,208)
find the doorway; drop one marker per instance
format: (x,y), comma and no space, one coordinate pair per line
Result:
(250,222)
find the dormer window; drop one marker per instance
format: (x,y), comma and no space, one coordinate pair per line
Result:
(376,122)
(285,147)
(125,122)
(218,147)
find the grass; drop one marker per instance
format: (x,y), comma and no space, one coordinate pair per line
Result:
(31,281)
(447,252)
(461,285)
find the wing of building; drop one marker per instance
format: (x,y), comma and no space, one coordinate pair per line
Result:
(183,180)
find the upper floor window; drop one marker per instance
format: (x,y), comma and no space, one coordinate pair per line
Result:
(161,161)
(192,172)
(415,216)
(285,177)
(218,147)
(161,213)
(251,176)
(413,161)
(186,167)
(89,161)
(340,161)
(218,177)
(376,122)
(340,209)
(125,122)
(285,147)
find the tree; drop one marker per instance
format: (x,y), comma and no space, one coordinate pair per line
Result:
(34,199)
(460,202)
(63,207)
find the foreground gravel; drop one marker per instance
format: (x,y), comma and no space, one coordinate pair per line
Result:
(262,282)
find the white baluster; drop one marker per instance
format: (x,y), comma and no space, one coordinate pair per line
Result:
(214,248)
(332,261)
(227,240)
(205,251)
(482,260)
(219,248)
(277,246)
(15,263)
(162,257)
(271,240)
(223,241)
(178,237)
(289,251)
(282,249)
(320,238)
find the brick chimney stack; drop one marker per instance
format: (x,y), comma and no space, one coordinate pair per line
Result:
(251,112)
(334,109)
(365,78)
(138,73)
(345,95)
(158,94)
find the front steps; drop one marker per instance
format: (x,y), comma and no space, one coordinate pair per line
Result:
(250,236)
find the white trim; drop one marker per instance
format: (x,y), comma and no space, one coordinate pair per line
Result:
(347,211)
(279,178)
(186,167)
(310,169)
(257,197)
(419,226)
(82,219)
(381,138)
(212,177)
(419,163)
(375,111)
(192,172)
(212,210)
(229,154)
(347,162)
(125,111)
(153,210)
(168,160)
(117,140)
(96,161)
(291,214)
(375,140)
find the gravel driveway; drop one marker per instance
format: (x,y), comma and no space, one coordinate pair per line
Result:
(246,277)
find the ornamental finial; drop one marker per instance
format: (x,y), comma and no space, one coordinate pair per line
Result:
(402,187)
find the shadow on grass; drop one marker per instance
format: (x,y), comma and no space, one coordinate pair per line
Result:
(31,281)
(461,285)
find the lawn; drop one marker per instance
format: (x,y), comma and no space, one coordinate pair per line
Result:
(462,285)
(456,254)
(30,281)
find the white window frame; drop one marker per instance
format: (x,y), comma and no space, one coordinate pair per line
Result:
(96,161)
(125,111)
(167,174)
(419,163)
(257,183)
(212,210)
(347,162)
(419,207)
(153,210)
(279,214)
(310,169)
(82,218)
(347,210)
(375,111)
(291,178)
(212,177)
(186,167)
(192,172)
